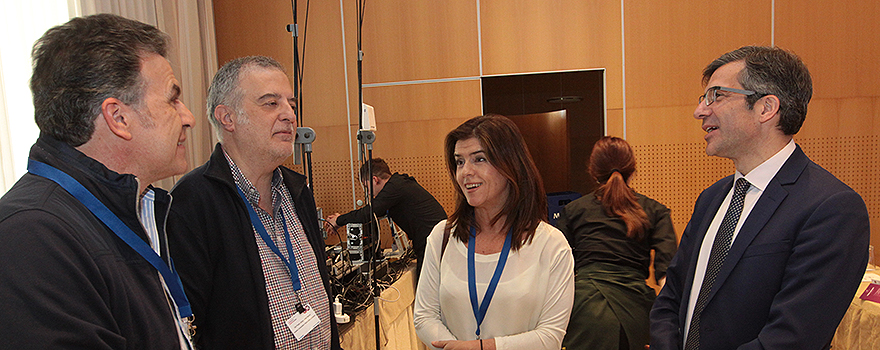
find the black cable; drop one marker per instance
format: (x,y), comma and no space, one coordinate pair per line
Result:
(294,29)
(302,63)
(298,75)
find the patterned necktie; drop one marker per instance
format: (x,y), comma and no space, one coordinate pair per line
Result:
(719,251)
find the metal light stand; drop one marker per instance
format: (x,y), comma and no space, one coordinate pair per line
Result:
(366,138)
(297,92)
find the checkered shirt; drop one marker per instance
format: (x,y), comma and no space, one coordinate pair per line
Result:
(282,297)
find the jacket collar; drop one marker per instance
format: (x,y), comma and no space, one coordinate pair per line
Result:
(119,192)
(97,178)
(217,168)
(81,167)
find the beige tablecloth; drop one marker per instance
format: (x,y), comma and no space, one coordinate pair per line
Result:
(395,320)
(860,327)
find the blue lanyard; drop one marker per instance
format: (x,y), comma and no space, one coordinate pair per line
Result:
(258,225)
(481,308)
(78,191)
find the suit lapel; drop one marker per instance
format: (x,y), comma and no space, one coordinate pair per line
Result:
(763,210)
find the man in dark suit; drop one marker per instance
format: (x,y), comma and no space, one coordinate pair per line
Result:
(781,270)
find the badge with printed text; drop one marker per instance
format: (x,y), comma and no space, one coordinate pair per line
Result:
(303,322)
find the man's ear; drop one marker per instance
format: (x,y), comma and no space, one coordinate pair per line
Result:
(223,114)
(116,114)
(769,107)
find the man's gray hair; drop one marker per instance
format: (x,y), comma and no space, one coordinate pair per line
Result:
(225,89)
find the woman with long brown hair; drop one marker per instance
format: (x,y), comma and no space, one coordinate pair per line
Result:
(496,275)
(612,232)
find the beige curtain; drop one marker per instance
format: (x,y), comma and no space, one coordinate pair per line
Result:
(22,23)
(190,23)
(7,173)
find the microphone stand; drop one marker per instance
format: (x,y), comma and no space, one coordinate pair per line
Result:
(297,92)
(367,137)
(294,31)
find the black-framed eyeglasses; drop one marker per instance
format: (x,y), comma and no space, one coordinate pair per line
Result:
(712,93)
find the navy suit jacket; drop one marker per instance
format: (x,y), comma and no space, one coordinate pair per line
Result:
(790,274)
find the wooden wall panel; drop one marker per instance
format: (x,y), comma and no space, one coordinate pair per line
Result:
(432,174)
(839,43)
(245,28)
(838,40)
(396,139)
(520,36)
(412,120)
(857,116)
(668,43)
(323,87)
(614,125)
(841,126)
(663,125)
(410,133)
(417,102)
(417,40)
(844,71)
(335,177)
(332,142)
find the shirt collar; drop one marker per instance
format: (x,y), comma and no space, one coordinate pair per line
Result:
(250,191)
(760,176)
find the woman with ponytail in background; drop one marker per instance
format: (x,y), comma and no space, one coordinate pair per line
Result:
(612,232)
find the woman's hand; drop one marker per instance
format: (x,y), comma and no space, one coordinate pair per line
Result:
(488,344)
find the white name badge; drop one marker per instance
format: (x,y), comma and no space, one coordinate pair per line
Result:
(303,323)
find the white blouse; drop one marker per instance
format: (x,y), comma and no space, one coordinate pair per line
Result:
(531,305)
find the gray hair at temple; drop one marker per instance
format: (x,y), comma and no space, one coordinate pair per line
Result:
(225,89)
(79,64)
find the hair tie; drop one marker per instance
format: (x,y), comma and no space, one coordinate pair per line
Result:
(606,178)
